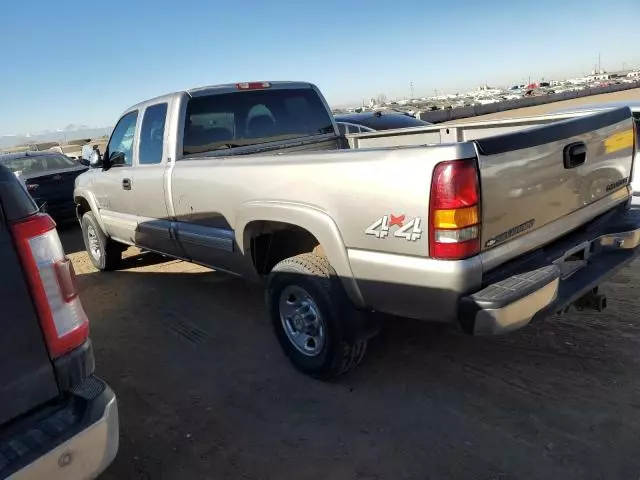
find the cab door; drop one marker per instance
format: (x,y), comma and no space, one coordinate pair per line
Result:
(112,186)
(150,177)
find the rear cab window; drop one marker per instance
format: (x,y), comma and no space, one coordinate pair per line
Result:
(152,134)
(240,119)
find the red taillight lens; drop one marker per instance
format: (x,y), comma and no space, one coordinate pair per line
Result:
(252,85)
(454,210)
(454,185)
(51,280)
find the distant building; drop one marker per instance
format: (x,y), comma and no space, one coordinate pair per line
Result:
(602,75)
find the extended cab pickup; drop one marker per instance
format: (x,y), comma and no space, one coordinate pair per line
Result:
(57,419)
(255,179)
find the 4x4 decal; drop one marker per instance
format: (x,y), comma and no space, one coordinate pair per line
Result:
(382,227)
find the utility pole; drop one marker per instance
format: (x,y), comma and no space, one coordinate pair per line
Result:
(599,64)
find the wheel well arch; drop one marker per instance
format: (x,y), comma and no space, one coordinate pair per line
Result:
(85,202)
(82,206)
(269,242)
(314,230)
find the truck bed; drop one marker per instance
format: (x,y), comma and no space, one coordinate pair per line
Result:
(525,177)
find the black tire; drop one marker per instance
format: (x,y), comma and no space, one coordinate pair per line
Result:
(344,345)
(110,252)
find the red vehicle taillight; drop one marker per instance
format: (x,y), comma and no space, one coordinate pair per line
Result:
(454,210)
(51,279)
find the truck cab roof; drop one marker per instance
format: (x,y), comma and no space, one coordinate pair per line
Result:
(218,89)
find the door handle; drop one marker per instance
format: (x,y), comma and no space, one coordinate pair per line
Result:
(126,184)
(575,154)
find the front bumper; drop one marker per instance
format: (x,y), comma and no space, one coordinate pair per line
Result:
(77,439)
(552,278)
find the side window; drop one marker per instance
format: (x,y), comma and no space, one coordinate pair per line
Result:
(342,128)
(120,148)
(354,128)
(152,134)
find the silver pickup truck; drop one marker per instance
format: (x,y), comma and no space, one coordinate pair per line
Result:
(489,227)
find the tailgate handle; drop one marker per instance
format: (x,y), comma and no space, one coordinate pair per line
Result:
(575,155)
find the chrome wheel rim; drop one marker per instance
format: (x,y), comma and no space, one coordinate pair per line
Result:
(301,320)
(94,243)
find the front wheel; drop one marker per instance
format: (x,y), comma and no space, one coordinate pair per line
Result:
(314,321)
(103,252)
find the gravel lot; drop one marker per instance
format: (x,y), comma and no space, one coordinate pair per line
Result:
(204,391)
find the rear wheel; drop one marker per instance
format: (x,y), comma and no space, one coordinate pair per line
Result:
(104,253)
(315,323)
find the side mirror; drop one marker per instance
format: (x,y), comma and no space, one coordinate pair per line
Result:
(96,159)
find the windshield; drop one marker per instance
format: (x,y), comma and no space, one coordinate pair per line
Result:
(36,163)
(238,119)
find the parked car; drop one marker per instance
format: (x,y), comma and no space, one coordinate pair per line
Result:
(74,152)
(255,179)
(49,177)
(57,419)
(374,121)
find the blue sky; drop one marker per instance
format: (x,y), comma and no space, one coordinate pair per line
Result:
(84,62)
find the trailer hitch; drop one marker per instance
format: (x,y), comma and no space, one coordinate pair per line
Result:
(591,301)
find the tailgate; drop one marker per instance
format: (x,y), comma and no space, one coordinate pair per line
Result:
(566,172)
(27,377)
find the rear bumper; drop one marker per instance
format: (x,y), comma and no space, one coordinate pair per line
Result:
(75,440)
(553,278)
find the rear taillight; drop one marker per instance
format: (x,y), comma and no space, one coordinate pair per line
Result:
(454,210)
(51,279)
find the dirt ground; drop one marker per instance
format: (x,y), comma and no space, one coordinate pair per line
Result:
(633,95)
(204,391)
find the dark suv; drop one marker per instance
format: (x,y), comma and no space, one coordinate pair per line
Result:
(57,420)
(375,121)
